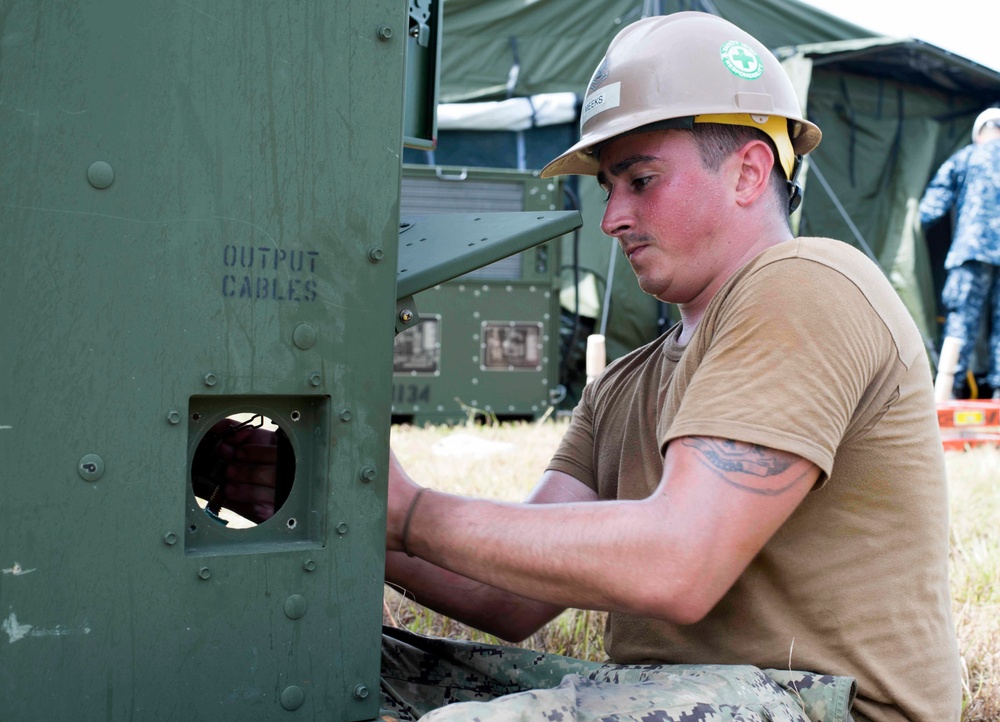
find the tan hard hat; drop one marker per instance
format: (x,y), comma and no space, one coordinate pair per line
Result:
(691,67)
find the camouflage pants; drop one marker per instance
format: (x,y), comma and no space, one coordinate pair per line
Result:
(968,291)
(441,680)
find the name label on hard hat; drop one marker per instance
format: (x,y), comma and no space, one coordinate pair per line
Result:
(604,99)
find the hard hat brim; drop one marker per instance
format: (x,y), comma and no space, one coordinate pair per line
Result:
(581,159)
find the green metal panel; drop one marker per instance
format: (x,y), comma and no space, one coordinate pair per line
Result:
(439,247)
(423,64)
(199,217)
(489,339)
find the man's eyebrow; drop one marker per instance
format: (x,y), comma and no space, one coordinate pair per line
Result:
(622,166)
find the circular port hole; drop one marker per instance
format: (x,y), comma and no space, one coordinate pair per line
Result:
(243,471)
(295,415)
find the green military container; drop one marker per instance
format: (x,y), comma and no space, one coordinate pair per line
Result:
(200,221)
(487,344)
(194,198)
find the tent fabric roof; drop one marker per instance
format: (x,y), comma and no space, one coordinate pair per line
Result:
(906,60)
(554,45)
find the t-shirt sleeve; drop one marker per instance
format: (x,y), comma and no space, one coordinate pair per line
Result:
(575,455)
(788,355)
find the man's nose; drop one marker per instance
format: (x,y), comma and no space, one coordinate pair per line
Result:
(618,217)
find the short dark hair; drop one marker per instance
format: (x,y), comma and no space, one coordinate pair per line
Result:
(716,142)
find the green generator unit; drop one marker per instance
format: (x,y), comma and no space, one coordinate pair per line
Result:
(487,344)
(200,222)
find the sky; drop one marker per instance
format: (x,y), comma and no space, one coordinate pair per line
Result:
(970,28)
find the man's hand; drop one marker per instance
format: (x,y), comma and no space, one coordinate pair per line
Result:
(236,469)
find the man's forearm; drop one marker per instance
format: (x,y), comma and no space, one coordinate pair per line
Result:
(670,556)
(554,553)
(491,610)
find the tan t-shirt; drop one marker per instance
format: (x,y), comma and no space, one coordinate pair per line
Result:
(807,349)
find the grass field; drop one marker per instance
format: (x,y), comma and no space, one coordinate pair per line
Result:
(503,462)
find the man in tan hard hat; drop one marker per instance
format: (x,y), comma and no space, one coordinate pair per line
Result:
(763,485)
(757,498)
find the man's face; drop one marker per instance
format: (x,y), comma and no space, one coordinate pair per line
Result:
(668,213)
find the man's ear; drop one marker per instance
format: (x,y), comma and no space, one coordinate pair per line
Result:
(755,164)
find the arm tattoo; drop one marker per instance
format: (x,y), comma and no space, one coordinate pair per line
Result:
(730,458)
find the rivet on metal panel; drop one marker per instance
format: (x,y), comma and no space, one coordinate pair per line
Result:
(368,473)
(169,538)
(204,573)
(91,467)
(384,32)
(314,379)
(342,528)
(360,692)
(345,415)
(309,565)
(292,698)
(174,416)
(295,606)
(100,174)
(304,336)
(210,379)
(406,315)
(375,254)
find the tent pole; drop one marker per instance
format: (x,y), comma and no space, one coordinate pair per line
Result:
(843,214)
(609,283)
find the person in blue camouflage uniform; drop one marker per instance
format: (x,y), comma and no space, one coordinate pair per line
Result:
(969,183)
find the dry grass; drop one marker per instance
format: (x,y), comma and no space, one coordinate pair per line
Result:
(974,481)
(504,461)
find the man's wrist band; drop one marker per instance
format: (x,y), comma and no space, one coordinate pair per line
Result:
(409,518)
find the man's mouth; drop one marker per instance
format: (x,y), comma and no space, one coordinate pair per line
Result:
(631,247)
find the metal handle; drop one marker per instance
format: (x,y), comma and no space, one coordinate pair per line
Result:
(446,177)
